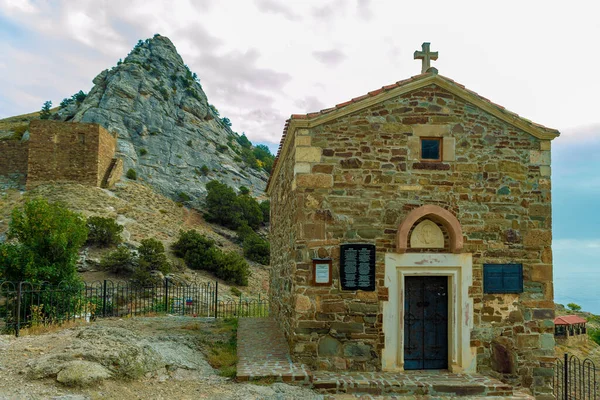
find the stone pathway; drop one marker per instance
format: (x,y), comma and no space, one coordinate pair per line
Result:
(263,353)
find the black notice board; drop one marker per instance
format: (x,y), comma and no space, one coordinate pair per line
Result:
(357,267)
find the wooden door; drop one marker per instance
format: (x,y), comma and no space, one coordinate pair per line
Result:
(426,322)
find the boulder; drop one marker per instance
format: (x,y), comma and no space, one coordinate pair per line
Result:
(82,373)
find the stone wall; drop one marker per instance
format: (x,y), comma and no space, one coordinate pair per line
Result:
(283,239)
(13,161)
(72,152)
(356,179)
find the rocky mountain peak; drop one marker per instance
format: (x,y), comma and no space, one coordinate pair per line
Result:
(166,129)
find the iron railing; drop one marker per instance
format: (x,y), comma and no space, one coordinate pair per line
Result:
(25,304)
(575,379)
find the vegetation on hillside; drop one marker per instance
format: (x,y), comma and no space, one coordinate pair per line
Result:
(201,253)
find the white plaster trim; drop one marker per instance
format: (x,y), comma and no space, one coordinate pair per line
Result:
(459,269)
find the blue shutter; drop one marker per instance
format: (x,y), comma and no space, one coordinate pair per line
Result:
(502,278)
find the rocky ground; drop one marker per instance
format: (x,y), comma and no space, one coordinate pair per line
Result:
(138,358)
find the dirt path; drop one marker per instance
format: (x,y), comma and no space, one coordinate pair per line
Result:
(179,341)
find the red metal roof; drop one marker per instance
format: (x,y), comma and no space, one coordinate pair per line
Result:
(569,320)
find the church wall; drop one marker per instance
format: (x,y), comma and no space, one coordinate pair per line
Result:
(283,238)
(357,178)
(107,145)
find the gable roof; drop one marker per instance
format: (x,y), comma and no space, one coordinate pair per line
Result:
(399,88)
(569,320)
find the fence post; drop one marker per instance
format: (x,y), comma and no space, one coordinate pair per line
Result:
(166,295)
(566,377)
(104,299)
(18,323)
(216,299)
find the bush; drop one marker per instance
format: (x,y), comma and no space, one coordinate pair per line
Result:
(204,169)
(103,232)
(257,249)
(251,213)
(222,205)
(120,261)
(221,148)
(152,256)
(574,307)
(265,207)
(189,143)
(200,253)
(131,174)
(49,237)
(143,152)
(243,141)
(184,197)
(235,291)
(594,334)
(232,268)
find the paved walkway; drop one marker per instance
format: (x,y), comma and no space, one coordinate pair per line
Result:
(263,353)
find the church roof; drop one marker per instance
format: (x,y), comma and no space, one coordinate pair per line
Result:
(405,86)
(569,320)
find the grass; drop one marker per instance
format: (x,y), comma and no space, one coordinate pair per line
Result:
(222,354)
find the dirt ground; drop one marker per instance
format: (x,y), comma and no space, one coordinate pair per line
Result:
(199,381)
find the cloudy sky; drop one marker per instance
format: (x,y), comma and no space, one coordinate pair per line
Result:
(261,60)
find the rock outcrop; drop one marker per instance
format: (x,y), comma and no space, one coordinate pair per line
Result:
(167,131)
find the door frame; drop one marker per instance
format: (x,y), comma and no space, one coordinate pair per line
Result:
(459,270)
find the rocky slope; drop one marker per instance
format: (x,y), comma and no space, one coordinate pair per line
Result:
(167,131)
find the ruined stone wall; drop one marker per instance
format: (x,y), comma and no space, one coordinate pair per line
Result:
(358,177)
(72,152)
(13,160)
(283,244)
(107,145)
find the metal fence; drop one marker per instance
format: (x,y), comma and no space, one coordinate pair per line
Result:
(575,379)
(25,304)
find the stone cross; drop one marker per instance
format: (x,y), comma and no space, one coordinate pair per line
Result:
(426,56)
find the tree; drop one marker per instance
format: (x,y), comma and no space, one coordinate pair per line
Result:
(48,238)
(243,141)
(251,213)
(574,307)
(226,121)
(152,256)
(103,232)
(45,111)
(222,205)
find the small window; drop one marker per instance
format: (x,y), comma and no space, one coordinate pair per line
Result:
(502,278)
(431,149)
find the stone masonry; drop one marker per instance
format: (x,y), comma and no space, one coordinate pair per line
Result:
(345,177)
(62,151)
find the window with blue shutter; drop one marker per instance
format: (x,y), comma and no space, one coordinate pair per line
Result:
(502,278)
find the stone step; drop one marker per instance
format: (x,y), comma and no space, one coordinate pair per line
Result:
(438,385)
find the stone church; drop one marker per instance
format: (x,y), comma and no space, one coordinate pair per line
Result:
(411,229)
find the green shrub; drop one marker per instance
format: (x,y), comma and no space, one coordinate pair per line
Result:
(131,174)
(48,238)
(594,334)
(235,291)
(257,249)
(225,208)
(221,148)
(243,141)
(265,207)
(151,253)
(143,152)
(119,261)
(103,232)
(251,213)
(189,143)
(574,307)
(45,111)
(184,196)
(226,121)
(244,190)
(200,253)
(204,169)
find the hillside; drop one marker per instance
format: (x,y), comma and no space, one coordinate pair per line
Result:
(144,214)
(167,131)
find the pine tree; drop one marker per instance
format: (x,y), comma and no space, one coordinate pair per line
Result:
(45,111)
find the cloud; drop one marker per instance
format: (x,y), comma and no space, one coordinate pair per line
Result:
(274,7)
(363,9)
(580,134)
(577,245)
(24,6)
(308,104)
(329,57)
